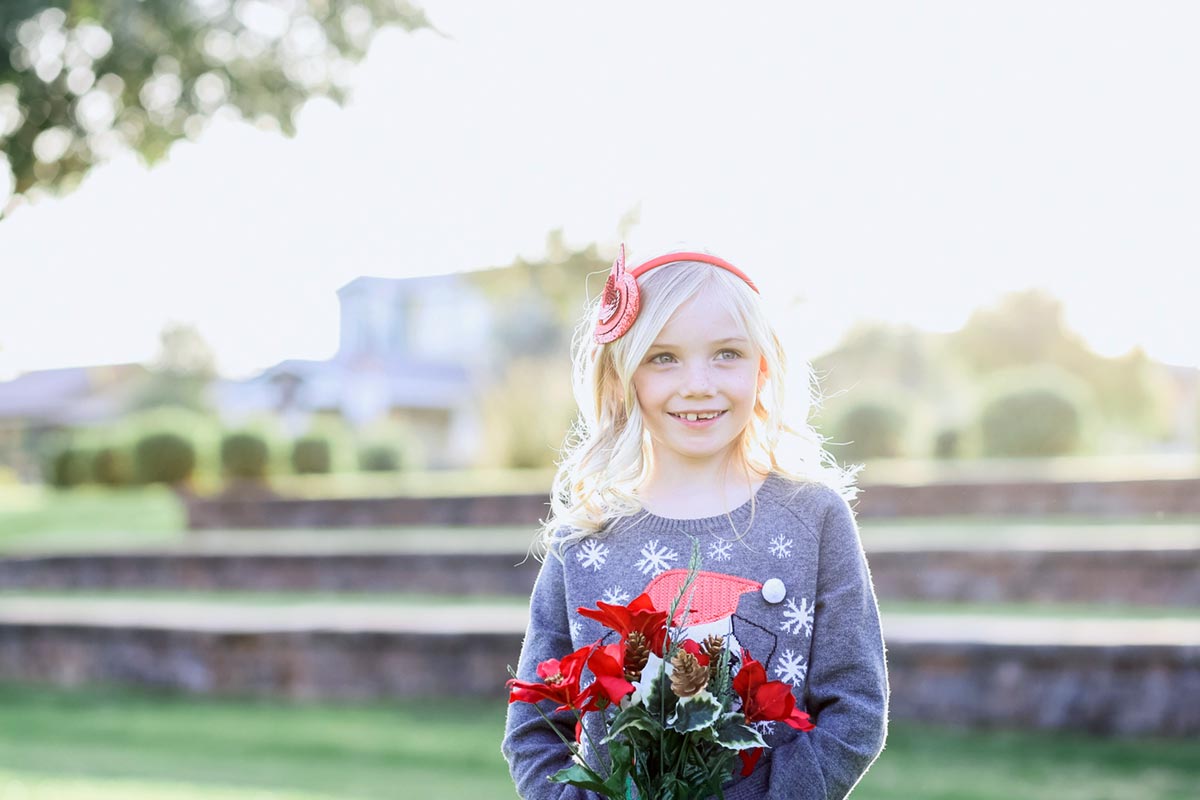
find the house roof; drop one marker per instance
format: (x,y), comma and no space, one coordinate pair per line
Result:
(67,394)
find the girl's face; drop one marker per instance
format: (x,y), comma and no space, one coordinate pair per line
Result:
(701,362)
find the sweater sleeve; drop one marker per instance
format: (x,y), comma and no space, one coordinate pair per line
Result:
(533,750)
(847,685)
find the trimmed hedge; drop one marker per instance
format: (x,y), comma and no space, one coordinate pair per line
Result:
(164,458)
(872,428)
(67,467)
(112,466)
(245,455)
(379,458)
(312,455)
(1034,412)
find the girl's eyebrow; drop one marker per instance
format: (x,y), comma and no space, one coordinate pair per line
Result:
(729,340)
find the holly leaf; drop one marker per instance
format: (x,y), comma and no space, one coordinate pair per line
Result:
(700,710)
(733,735)
(635,717)
(660,700)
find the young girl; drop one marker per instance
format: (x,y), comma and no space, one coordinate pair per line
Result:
(679,379)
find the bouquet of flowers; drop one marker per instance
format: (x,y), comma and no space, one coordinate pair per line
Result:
(675,720)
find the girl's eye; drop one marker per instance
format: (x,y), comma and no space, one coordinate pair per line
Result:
(727,355)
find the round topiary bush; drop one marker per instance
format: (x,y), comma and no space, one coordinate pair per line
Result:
(244,455)
(379,458)
(112,466)
(163,458)
(67,467)
(311,455)
(870,429)
(1034,413)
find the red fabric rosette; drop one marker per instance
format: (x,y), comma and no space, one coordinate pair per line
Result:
(620,303)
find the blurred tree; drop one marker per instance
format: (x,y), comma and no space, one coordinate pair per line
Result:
(83,79)
(539,302)
(1026,328)
(538,306)
(180,373)
(183,351)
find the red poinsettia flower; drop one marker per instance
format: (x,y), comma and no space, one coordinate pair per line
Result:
(608,665)
(765,701)
(559,682)
(640,615)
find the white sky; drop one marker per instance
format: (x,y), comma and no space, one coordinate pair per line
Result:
(904,161)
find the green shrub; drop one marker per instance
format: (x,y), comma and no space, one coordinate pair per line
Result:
(948,443)
(112,466)
(203,432)
(67,467)
(164,458)
(379,458)
(244,455)
(311,455)
(871,428)
(1034,412)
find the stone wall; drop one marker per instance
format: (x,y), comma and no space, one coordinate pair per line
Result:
(1140,577)
(1011,499)
(437,573)
(1145,577)
(1116,690)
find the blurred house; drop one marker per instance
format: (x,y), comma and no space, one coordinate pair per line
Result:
(37,404)
(413,350)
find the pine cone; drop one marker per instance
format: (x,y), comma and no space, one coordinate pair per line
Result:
(637,652)
(687,676)
(712,647)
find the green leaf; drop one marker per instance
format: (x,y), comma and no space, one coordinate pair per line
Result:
(660,700)
(636,717)
(693,713)
(586,778)
(622,760)
(738,736)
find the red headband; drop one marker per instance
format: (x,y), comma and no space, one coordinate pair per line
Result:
(622,299)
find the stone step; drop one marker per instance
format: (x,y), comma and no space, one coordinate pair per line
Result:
(454,619)
(1009,498)
(1166,577)
(1119,677)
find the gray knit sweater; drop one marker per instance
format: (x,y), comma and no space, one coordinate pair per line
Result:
(794,593)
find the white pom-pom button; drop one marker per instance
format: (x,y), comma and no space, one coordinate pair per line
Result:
(773,591)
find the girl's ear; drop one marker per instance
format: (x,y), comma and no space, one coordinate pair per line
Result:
(762,370)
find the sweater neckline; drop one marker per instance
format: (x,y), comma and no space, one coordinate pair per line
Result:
(653,523)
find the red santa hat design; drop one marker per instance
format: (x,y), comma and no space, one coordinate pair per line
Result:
(711,597)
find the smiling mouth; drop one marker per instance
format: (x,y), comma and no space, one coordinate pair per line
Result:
(706,417)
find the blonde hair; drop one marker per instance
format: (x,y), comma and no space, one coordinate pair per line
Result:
(606,453)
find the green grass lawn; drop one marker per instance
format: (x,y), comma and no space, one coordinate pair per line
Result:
(104,744)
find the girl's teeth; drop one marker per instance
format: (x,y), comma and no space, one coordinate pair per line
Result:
(694,417)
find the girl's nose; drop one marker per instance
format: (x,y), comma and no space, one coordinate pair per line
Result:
(699,379)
